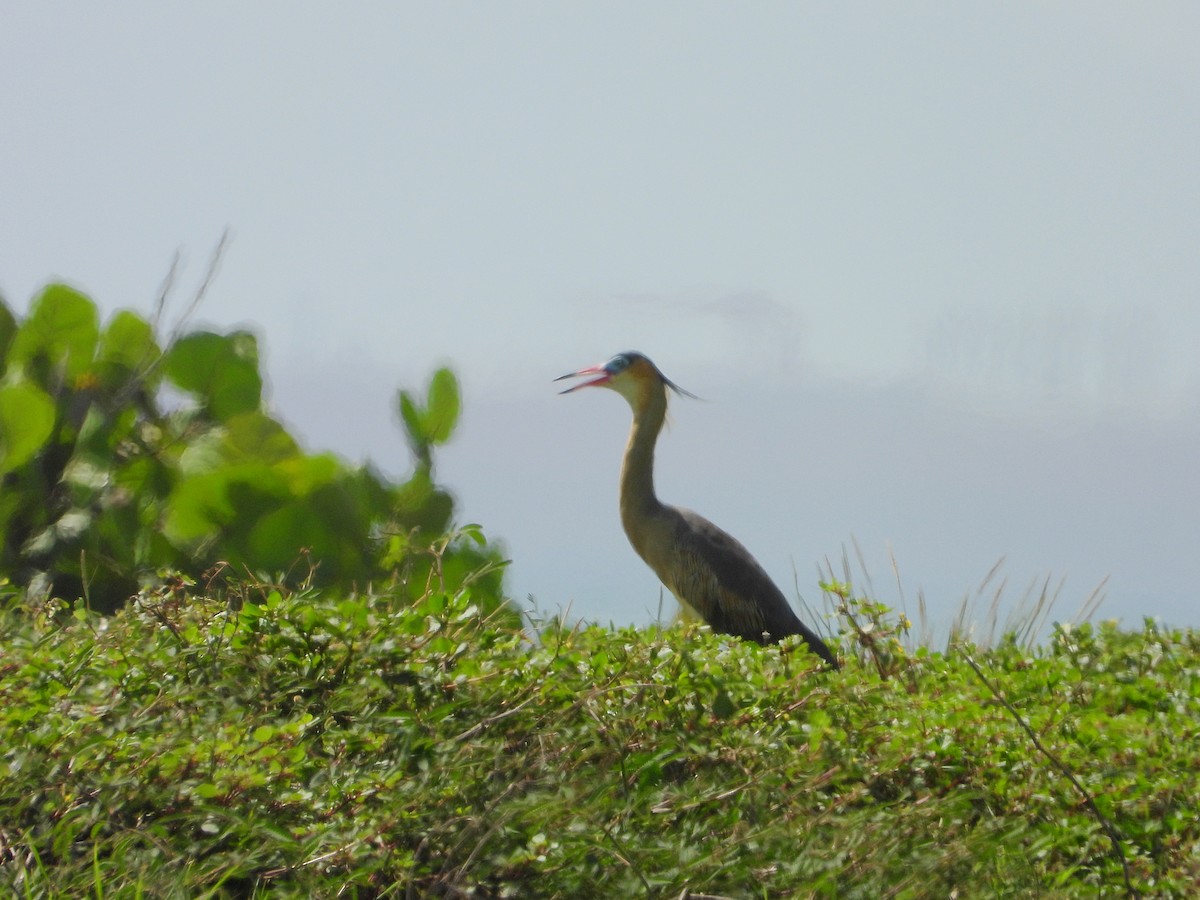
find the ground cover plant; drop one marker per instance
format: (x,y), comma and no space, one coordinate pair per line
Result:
(275,743)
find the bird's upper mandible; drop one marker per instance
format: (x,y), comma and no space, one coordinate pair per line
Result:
(621,373)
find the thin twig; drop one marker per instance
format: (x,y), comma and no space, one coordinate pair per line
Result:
(210,273)
(1092,603)
(164,291)
(491,720)
(626,858)
(1088,801)
(154,361)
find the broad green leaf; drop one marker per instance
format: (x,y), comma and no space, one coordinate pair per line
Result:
(256,436)
(278,538)
(204,453)
(62,327)
(441,413)
(222,371)
(231,497)
(412,418)
(263,733)
(127,348)
(475,532)
(414,493)
(307,473)
(197,508)
(26,423)
(723,706)
(204,504)
(420,504)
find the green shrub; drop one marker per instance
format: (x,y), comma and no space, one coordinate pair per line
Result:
(310,744)
(121,459)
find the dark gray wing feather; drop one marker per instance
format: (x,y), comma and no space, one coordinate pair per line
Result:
(722,581)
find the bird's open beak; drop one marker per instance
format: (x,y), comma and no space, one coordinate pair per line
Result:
(605,377)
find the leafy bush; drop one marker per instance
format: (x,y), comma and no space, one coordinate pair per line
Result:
(310,744)
(104,483)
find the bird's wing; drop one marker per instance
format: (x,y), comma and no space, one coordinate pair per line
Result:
(717,575)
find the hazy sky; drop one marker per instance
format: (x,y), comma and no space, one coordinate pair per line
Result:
(934,266)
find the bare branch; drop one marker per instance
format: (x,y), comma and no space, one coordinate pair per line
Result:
(1109,829)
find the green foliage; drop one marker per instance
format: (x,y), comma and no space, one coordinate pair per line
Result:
(434,423)
(26,423)
(311,743)
(103,483)
(876,637)
(221,370)
(58,339)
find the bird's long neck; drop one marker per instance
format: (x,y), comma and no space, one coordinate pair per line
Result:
(638,501)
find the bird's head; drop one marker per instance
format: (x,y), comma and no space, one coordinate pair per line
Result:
(630,374)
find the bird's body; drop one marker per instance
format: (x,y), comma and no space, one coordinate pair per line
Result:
(707,570)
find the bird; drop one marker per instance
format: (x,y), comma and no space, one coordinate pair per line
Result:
(708,570)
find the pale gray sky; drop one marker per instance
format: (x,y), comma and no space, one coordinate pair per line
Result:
(934,265)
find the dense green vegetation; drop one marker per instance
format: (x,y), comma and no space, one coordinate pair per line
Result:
(122,459)
(307,683)
(307,744)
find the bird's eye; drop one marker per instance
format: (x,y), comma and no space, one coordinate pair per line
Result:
(618,363)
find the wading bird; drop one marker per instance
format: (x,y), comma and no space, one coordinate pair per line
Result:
(707,570)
